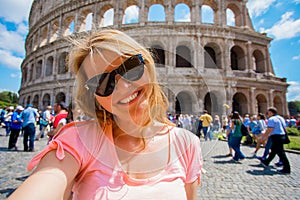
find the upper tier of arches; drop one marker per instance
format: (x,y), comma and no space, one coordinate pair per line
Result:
(52,20)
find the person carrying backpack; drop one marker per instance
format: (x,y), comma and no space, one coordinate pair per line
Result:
(236,137)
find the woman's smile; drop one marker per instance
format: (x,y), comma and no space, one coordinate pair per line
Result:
(130,99)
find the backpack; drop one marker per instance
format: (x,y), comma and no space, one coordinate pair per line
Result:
(244,130)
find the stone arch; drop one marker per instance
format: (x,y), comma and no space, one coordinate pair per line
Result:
(24,75)
(31,72)
(86,20)
(44,36)
(36,100)
(182,12)
(237,58)
(183,56)
(230,18)
(153,16)
(60,97)
(28,101)
(277,102)
(237,13)
(211,3)
(131,14)
(211,102)
(46,100)
(183,103)
(69,25)
(258,61)
(212,56)
(62,63)
(158,53)
(38,69)
(54,30)
(240,103)
(35,39)
(261,104)
(107,16)
(207,14)
(49,66)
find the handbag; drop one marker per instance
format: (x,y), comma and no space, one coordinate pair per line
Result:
(244,130)
(43,122)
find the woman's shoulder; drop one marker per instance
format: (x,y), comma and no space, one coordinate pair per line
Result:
(80,129)
(182,135)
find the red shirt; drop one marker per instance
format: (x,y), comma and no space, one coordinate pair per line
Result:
(58,117)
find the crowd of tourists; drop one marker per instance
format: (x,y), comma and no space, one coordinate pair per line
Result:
(268,131)
(33,124)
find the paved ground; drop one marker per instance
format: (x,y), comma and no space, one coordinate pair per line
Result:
(223,180)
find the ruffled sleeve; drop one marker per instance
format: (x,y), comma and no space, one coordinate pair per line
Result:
(67,139)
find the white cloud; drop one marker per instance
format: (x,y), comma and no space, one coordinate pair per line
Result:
(9,60)
(261,22)
(286,28)
(15,75)
(12,40)
(15,11)
(131,14)
(185,18)
(293,91)
(296,1)
(258,7)
(296,57)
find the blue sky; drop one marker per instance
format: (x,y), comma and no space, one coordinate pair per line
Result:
(280,19)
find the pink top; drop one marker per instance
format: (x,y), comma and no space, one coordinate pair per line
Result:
(101,176)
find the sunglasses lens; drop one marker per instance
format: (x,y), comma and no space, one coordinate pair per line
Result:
(104,84)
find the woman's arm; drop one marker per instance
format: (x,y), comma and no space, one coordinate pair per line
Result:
(52,179)
(191,190)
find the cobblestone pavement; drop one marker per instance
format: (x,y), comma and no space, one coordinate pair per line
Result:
(223,179)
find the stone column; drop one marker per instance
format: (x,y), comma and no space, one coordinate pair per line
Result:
(249,61)
(170,13)
(268,63)
(271,97)
(252,104)
(220,14)
(118,16)
(195,13)
(143,13)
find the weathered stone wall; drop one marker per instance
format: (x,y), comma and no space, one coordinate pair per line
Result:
(201,66)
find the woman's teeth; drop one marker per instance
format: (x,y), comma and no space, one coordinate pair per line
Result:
(130,98)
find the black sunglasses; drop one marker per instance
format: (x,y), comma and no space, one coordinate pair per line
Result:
(104,84)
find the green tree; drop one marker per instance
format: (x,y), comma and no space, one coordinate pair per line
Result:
(292,106)
(8,98)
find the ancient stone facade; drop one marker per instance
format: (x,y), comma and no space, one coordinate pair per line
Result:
(200,64)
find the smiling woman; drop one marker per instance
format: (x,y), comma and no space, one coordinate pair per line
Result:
(129,150)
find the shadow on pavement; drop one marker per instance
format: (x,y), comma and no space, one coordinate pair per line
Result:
(265,172)
(4,149)
(227,162)
(221,156)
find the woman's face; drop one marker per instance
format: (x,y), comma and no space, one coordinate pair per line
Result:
(128,99)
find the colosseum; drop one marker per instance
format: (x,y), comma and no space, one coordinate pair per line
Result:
(210,58)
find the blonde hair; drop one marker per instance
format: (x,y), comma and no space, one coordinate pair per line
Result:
(117,42)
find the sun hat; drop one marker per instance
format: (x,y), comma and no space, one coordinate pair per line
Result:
(19,108)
